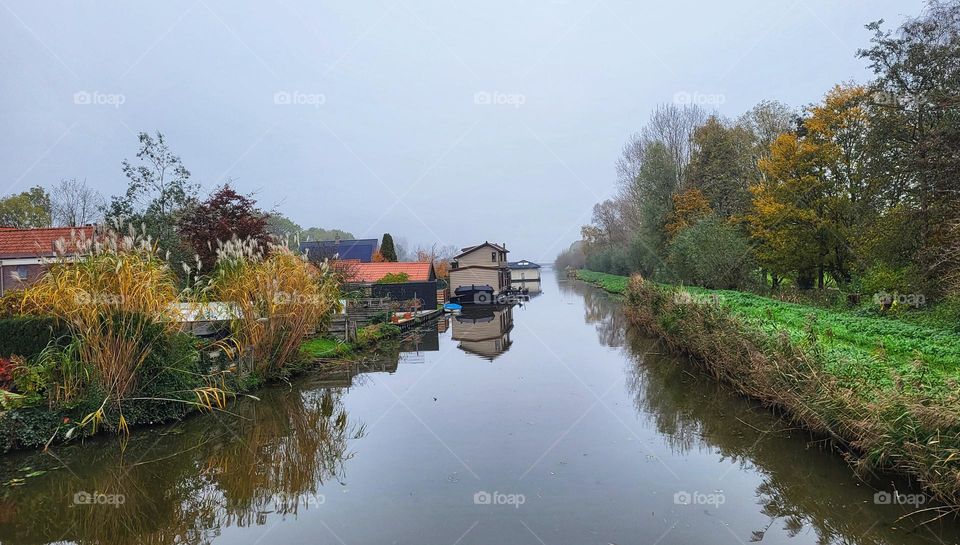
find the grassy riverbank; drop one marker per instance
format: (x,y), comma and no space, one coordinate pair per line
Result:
(34,426)
(886,390)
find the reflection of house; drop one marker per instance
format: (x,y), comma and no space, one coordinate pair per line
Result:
(483,331)
(525,274)
(25,253)
(360,249)
(481,265)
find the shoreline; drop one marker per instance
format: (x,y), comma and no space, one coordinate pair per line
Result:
(36,428)
(906,428)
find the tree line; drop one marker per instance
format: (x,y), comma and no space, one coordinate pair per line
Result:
(858,190)
(162,201)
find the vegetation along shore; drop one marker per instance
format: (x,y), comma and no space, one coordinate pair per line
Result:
(96,344)
(884,389)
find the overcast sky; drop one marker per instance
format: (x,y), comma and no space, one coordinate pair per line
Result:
(449,122)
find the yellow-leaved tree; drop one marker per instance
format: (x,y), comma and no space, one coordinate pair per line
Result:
(815,190)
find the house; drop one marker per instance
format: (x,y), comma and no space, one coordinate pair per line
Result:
(26,253)
(523,271)
(481,265)
(421,281)
(360,249)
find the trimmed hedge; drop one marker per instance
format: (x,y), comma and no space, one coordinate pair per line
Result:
(27,336)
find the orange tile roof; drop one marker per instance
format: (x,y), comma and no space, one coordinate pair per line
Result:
(37,242)
(371,272)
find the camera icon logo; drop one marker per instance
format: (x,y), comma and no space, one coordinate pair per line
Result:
(482,498)
(682,498)
(883,498)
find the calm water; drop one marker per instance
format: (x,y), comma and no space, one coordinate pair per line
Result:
(550,423)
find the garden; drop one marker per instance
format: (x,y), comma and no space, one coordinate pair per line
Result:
(98,341)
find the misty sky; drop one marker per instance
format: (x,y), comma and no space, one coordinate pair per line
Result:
(447,122)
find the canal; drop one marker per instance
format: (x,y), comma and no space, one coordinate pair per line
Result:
(547,423)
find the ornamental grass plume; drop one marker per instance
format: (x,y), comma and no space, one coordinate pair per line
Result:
(114,292)
(276,298)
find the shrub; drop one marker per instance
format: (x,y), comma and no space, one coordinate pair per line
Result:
(712,254)
(612,260)
(28,336)
(394,278)
(884,278)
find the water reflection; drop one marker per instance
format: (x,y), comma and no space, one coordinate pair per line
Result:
(483,331)
(799,493)
(187,483)
(591,470)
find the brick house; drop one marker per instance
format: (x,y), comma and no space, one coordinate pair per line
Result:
(26,253)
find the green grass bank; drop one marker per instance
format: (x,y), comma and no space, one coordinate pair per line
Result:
(885,390)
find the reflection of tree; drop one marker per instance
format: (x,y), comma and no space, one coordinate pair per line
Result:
(598,310)
(693,411)
(183,485)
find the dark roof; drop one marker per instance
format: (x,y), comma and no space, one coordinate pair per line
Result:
(362,249)
(468,249)
(522,264)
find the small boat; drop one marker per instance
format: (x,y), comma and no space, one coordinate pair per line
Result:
(473,294)
(452,308)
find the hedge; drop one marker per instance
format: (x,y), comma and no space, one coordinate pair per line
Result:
(28,336)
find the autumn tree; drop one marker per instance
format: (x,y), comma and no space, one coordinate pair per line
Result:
(224,215)
(815,192)
(688,208)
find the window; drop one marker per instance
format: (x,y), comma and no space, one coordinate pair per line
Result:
(22,272)
(493,256)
